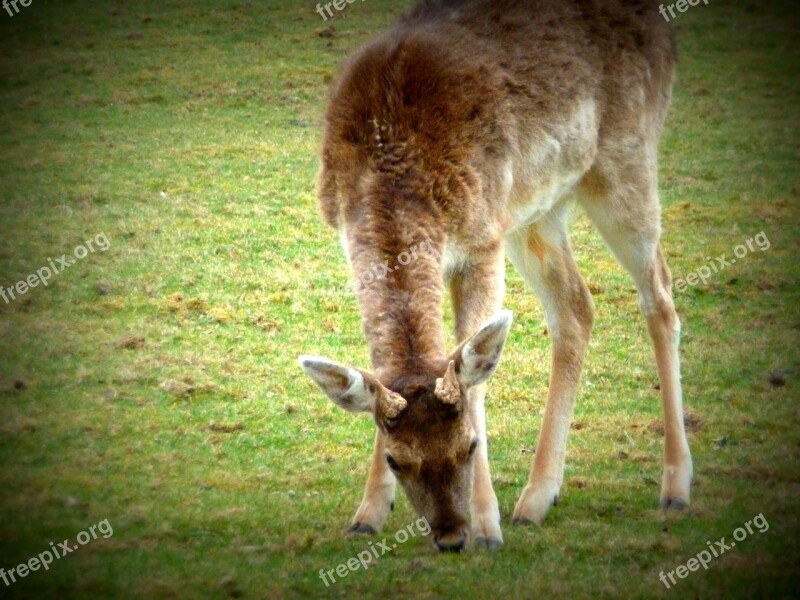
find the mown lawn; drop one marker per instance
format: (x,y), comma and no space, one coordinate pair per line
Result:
(154,384)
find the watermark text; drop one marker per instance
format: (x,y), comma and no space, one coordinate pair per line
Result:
(380,271)
(715,550)
(339,5)
(61,264)
(681,5)
(56,551)
(8,4)
(366,557)
(719,263)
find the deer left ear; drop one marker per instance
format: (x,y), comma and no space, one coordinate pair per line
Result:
(480,355)
(346,386)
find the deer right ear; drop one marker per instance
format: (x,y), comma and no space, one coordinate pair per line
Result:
(344,385)
(481,354)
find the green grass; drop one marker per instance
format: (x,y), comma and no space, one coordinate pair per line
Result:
(155,384)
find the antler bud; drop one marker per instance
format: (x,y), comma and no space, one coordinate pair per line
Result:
(447,388)
(393,405)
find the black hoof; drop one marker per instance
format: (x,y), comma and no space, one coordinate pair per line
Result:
(673,503)
(362,529)
(524,521)
(490,543)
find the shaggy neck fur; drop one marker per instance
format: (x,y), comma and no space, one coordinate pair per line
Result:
(401,311)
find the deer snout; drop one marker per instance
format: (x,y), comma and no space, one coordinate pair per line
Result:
(454,541)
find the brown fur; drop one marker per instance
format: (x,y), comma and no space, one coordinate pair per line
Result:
(468,124)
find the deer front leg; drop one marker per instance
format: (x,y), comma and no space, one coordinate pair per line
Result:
(477,292)
(378,494)
(547,473)
(483,503)
(543,257)
(655,285)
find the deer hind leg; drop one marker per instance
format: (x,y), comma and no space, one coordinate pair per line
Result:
(626,211)
(477,292)
(543,257)
(378,494)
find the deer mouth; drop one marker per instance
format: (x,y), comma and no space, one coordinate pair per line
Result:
(451,541)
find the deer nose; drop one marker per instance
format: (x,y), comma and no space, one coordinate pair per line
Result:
(451,542)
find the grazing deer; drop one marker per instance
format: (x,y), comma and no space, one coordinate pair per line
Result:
(473,124)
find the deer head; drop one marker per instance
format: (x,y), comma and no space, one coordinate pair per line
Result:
(427,423)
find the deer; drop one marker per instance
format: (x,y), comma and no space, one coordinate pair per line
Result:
(477,126)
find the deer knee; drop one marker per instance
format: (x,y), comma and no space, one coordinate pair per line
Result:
(662,318)
(585,314)
(576,327)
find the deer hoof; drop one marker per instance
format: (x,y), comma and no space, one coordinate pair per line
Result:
(362,529)
(535,503)
(673,503)
(490,543)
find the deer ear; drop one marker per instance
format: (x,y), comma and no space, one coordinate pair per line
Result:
(346,386)
(480,355)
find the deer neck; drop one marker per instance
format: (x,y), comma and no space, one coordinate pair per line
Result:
(397,265)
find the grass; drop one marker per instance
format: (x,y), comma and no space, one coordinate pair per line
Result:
(155,384)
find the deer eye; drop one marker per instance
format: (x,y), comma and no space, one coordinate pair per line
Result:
(473,446)
(392,463)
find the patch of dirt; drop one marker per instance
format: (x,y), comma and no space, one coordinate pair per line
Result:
(266,324)
(177,303)
(326,32)
(778,377)
(299,543)
(224,427)
(596,289)
(691,421)
(176,388)
(230,587)
(18,427)
(130,342)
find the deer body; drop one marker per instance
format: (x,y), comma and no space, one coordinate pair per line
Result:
(474,125)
